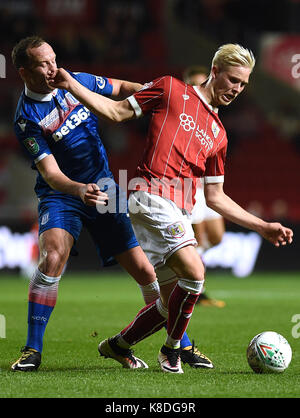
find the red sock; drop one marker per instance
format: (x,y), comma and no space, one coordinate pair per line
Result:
(147,322)
(181,305)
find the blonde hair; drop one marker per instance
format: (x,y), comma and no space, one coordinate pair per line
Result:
(233,55)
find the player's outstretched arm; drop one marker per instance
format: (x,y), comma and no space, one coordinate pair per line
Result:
(105,108)
(122,88)
(274,232)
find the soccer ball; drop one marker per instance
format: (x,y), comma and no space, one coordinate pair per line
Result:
(269,352)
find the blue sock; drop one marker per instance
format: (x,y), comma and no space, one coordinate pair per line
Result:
(38,316)
(185,341)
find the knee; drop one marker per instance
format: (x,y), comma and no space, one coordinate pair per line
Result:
(187,264)
(215,230)
(52,261)
(192,272)
(215,238)
(196,275)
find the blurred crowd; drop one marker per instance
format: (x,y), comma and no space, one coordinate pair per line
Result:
(239,21)
(82,30)
(128,39)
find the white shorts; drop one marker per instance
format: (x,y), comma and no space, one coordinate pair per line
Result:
(161,229)
(201,212)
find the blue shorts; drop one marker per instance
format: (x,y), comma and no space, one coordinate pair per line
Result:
(112,233)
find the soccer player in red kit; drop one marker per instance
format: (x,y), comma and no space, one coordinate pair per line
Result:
(186,140)
(208,225)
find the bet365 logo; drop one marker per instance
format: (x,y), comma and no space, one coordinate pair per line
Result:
(296,327)
(2,326)
(74,120)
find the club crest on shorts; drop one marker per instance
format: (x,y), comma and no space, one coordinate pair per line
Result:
(176,230)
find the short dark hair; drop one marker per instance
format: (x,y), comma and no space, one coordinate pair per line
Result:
(19,53)
(193,70)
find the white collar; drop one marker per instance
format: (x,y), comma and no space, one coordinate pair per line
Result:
(214,109)
(38,96)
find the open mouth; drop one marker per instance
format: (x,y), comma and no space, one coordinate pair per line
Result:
(228,97)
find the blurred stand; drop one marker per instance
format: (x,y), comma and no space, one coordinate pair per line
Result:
(19,251)
(140,41)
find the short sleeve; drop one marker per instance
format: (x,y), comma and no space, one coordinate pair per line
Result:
(215,167)
(29,134)
(95,83)
(150,96)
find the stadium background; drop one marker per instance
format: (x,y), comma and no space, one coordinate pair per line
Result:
(140,40)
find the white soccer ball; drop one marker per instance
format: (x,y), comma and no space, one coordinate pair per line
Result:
(269,352)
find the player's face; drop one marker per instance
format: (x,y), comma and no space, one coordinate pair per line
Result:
(42,68)
(228,84)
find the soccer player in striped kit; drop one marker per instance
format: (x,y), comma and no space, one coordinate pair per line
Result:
(208,225)
(186,140)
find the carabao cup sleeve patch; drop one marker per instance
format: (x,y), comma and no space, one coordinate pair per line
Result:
(31,145)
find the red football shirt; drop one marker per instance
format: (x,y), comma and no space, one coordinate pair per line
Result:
(186,140)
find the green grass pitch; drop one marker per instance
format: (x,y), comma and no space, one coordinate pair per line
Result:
(92,307)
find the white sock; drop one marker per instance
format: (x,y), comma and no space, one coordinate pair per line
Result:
(150,292)
(191,286)
(161,308)
(171,343)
